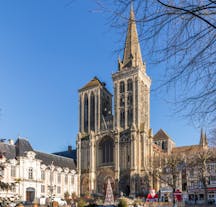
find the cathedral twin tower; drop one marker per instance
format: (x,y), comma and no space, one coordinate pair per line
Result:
(117,146)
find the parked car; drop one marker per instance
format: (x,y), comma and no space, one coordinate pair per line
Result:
(12,204)
(60,201)
(211,201)
(42,200)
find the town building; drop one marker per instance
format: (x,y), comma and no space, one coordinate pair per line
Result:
(35,174)
(190,177)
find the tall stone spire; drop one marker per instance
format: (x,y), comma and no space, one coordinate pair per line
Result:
(203,139)
(132,54)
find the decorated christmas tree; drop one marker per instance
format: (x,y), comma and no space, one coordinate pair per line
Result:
(109,199)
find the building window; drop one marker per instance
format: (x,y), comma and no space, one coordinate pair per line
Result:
(130,100)
(130,85)
(42,175)
(130,116)
(122,119)
(30,173)
(163,145)
(122,101)
(66,179)
(212,180)
(59,190)
(59,178)
(86,113)
(42,188)
(107,150)
(72,180)
(92,110)
(1,171)
(13,171)
(51,177)
(122,87)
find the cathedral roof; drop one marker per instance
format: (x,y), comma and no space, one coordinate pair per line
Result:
(161,134)
(70,153)
(95,82)
(187,149)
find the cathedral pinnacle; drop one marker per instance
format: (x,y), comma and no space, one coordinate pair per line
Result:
(132,54)
(203,139)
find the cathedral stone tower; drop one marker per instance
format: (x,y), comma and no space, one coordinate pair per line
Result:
(117,148)
(132,115)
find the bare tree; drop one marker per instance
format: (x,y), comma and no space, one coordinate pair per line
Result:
(212,137)
(181,36)
(167,169)
(200,163)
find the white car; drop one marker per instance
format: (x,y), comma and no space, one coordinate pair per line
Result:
(60,201)
(12,204)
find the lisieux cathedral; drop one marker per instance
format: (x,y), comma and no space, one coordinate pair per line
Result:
(117,147)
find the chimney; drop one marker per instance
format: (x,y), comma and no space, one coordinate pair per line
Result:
(11,142)
(69,148)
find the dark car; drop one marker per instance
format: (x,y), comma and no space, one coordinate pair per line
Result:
(211,201)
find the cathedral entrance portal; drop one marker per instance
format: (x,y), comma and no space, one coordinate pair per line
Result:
(125,185)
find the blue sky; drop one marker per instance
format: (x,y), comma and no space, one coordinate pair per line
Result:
(48,50)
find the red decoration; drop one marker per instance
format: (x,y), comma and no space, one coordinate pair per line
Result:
(178,195)
(152,196)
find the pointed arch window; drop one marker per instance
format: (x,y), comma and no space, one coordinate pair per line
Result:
(130,116)
(92,112)
(163,145)
(130,85)
(130,100)
(122,87)
(122,119)
(107,150)
(86,113)
(80,114)
(122,101)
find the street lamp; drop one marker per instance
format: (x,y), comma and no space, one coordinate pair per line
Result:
(51,186)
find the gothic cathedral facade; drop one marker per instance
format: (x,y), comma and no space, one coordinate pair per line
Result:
(117,146)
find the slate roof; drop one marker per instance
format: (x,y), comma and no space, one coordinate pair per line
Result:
(22,146)
(161,134)
(68,154)
(57,160)
(187,149)
(9,151)
(93,83)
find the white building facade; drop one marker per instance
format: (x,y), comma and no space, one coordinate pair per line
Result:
(35,174)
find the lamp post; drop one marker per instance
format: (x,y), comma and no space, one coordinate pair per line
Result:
(51,186)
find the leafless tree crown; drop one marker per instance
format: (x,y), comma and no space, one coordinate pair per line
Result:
(181,34)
